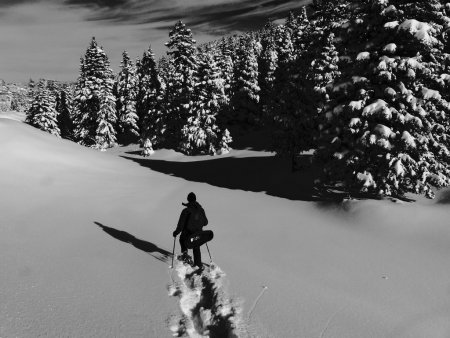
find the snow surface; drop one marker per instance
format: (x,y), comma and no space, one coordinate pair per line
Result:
(384,131)
(363,56)
(390,9)
(408,139)
(391,24)
(366,179)
(356,105)
(445,77)
(379,107)
(14,115)
(431,94)
(358,79)
(422,31)
(207,311)
(390,48)
(85,245)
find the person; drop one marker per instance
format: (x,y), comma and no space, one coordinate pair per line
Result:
(192,219)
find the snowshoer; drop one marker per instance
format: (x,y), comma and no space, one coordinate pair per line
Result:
(192,220)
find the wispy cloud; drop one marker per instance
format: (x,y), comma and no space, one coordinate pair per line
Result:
(46,38)
(8,3)
(215,15)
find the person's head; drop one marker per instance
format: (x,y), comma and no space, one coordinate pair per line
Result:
(191,197)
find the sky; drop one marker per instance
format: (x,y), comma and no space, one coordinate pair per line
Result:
(47,38)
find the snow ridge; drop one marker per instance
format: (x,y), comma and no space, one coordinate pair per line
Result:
(207,311)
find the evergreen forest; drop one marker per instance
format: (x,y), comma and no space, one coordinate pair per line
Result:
(364,85)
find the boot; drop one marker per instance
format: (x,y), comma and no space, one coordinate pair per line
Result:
(185,258)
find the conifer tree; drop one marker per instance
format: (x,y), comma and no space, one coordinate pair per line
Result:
(94,103)
(106,117)
(331,13)
(163,69)
(226,64)
(64,110)
(284,47)
(149,103)
(390,130)
(42,113)
(284,111)
(201,135)
(302,33)
(245,100)
(291,21)
(128,130)
(181,80)
(322,74)
(267,66)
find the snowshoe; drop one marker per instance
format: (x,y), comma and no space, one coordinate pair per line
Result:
(199,269)
(186,259)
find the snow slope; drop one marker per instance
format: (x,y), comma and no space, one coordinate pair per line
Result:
(85,241)
(14,115)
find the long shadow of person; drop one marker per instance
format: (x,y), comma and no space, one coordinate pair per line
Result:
(148,247)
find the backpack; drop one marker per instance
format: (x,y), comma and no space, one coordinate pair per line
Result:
(196,219)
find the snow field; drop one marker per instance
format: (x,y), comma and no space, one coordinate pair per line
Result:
(354,269)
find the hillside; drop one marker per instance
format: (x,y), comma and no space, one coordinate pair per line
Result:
(86,241)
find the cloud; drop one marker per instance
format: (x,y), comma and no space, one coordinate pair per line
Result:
(46,38)
(214,16)
(8,3)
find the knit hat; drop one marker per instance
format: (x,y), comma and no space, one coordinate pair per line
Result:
(191,197)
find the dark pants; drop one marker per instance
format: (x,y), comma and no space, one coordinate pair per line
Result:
(196,251)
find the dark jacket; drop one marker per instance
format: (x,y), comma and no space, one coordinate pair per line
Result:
(185,214)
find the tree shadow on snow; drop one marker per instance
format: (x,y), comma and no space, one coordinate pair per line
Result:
(269,174)
(444,198)
(258,139)
(148,247)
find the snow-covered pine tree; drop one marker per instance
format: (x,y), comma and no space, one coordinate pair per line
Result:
(302,33)
(42,113)
(126,87)
(149,103)
(163,66)
(255,37)
(181,80)
(201,135)
(322,74)
(331,13)
(105,136)
(268,63)
(245,99)
(390,133)
(284,115)
(94,116)
(295,23)
(284,47)
(226,65)
(291,21)
(64,110)
(213,73)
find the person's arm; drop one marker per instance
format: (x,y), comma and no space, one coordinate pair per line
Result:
(181,223)
(206,219)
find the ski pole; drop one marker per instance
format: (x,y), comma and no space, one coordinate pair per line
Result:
(210,258)
(173,250)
